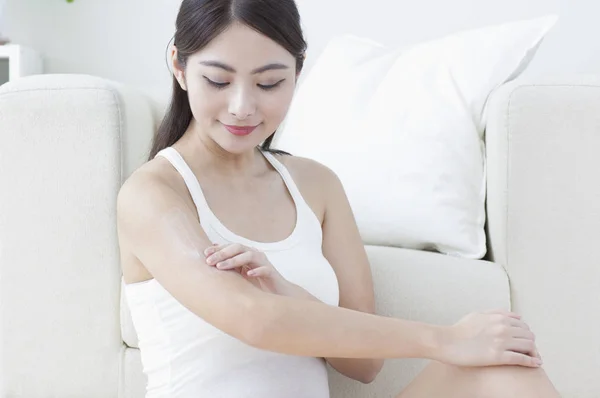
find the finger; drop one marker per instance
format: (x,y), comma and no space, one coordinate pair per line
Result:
(521,333)
(237,261)
(213,248)
(519,324)
(260,272)
(225,253)
(521,345)
(534,352)
(504,312)
(515,358)
(531,353)
(513,315)
(524,346)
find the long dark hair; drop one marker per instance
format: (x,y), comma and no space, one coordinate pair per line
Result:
(200,21)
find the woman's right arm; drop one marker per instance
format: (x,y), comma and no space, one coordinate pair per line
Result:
(165,236)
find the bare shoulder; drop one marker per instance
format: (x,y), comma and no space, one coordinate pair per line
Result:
(153,186)
(148,183)
(150,191)
(309,170)
(317,182)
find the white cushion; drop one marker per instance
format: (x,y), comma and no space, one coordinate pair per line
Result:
(403,129)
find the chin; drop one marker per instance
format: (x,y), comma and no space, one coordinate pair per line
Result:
(237,146)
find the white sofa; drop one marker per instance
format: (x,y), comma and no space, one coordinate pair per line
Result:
(67,143)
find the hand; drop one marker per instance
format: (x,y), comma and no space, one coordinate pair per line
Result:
(490,338)
(250,263)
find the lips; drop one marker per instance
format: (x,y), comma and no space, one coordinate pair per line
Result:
(240,130)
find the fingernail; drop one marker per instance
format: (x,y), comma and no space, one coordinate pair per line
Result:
(538,361)
(209,259)
(220,265)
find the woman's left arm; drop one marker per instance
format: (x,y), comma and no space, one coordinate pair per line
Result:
(363,370)
(345,251)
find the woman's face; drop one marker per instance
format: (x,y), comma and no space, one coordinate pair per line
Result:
(240,87)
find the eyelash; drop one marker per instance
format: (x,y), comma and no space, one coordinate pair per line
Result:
(221,86)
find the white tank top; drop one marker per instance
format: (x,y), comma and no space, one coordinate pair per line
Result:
(184,356)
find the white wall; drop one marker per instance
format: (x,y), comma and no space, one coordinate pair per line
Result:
(126,40)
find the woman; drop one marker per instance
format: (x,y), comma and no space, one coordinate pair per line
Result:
(259,311)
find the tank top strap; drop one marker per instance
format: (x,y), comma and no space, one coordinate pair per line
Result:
(287,178)
(308,226)
(175,158)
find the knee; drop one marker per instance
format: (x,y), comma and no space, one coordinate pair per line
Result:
(506,381)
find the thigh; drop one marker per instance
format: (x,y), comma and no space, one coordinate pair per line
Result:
(445,381)
(442,381)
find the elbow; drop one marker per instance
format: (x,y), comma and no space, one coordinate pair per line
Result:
(364,371)
(371,374)
(368,378)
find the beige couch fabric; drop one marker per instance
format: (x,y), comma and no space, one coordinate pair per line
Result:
(543,150)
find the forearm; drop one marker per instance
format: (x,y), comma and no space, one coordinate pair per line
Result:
(363,370)
(303,327)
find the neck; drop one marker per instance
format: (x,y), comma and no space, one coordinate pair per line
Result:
(208,156)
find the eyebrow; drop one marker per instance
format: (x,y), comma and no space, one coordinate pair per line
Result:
(217,64)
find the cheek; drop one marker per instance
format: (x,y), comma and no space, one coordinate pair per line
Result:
(277,105)
(205,103)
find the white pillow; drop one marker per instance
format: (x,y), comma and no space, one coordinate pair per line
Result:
(403,129)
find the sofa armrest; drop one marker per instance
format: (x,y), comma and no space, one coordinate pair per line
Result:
(68,142)
(543,206)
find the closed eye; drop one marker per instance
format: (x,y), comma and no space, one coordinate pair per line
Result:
(216,84)
(265,87)
(270,86)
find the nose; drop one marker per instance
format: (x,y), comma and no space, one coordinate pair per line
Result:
(242,103)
